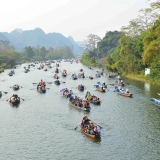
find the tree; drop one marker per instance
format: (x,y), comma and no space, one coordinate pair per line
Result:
(91,42)
(152,45)
(28,51)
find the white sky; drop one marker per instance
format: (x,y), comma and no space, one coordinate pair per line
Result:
(76,18)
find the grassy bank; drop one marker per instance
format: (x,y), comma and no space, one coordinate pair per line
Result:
(143,78)
(1,69)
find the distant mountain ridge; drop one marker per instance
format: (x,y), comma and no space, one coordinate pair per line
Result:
(20,39)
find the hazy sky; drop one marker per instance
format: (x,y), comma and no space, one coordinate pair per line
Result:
(76,18)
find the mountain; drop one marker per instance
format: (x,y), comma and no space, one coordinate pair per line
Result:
(20,39)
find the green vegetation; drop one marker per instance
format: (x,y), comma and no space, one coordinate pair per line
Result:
(8,56)
(133,49)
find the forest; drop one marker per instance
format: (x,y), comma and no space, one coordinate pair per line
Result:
(9,57)
(131,50)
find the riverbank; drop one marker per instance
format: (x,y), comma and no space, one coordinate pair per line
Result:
(138,77)
(1,69)
(142,78)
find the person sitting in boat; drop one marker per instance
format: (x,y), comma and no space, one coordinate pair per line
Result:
(40,87)
(42,83)
(71,92)
(85,120)
(81,87)
(127,90)
(87,94)
(14,98)
(71,98)
(95,130)
(56,76)
(82,75)
(104,84)
(57,81)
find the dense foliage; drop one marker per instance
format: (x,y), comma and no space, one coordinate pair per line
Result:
(8,56)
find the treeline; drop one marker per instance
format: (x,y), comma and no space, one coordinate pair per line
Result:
(9,57)
(134,48)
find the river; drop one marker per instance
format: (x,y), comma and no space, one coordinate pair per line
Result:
(43,126)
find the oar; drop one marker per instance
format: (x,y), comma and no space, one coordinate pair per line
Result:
(111,84)
(4,92)
(34,83)
(49,82)
(21,98)
(32,88)
(107,89)
(76,127)
(63,82)
(97,124)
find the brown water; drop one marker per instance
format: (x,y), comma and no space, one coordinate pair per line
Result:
(42,127)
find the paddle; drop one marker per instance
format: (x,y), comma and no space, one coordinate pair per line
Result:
(4,92)
(49,82)
(76,127)
(34,83)
(21,98)
(97,124)
(63,82)
(111,84)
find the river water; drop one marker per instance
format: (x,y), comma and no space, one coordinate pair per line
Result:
(43,126)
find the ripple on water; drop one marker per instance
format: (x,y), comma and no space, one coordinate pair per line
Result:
(43,126)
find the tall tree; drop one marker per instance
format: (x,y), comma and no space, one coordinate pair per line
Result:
(91,42)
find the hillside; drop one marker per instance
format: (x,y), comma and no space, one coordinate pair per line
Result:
(20,39)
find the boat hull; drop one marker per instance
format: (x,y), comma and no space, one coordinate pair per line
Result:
(89,135)
(81,108)
(126,94)
(155,101)
(100,90)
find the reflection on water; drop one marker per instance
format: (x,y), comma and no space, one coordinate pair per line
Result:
(147,87)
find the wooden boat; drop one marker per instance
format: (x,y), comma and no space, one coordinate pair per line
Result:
(74,78)
(90,135)
(155,101)
(15,87)
(14,103)
(57,82)
(10,74)
(119,84)
(95,102)
(90,77)
(100,90)
(81,76)
(81,108)
(122,92)
(67,96)
(125,94)
(55,77)
(64,74)
(93,99)
(41,91)
(80,88)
